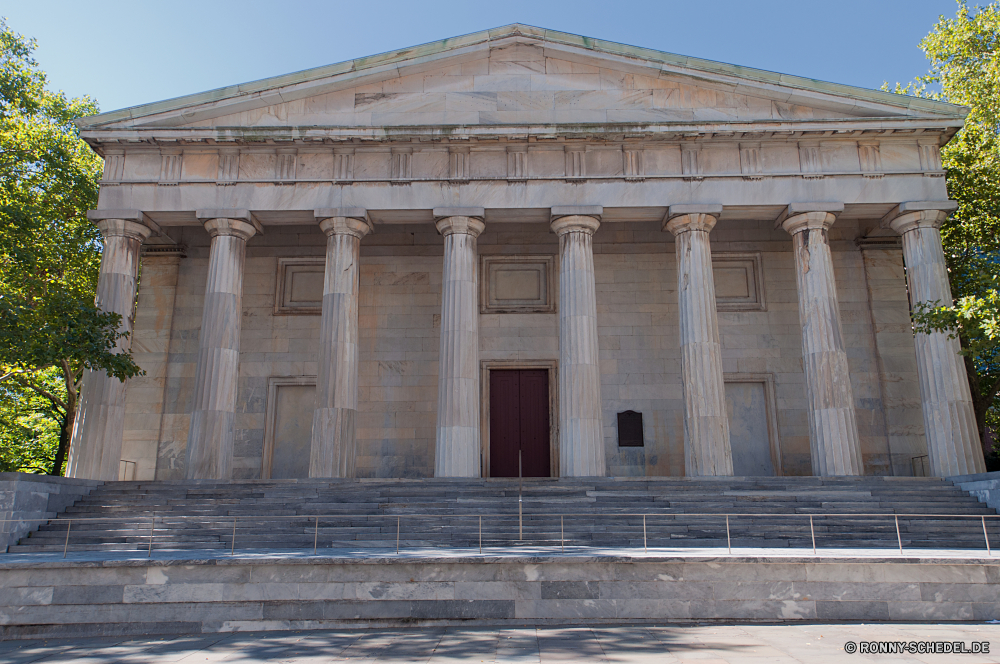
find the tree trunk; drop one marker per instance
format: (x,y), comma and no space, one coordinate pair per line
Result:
(980,402)
(65,431)
(69,417)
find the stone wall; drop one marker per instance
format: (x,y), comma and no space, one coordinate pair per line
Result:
(637,324)
(27,501)
(47,599)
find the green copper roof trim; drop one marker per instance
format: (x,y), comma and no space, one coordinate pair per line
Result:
(517,29)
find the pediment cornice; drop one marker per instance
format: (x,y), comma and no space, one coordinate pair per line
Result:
(854,129)
(368,71)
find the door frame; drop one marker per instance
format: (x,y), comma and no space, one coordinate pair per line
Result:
(771,410)
(271,415)
(484,409)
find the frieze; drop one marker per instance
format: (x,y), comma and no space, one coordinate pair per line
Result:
(692,159)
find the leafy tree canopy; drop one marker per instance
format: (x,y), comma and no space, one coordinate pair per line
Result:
(964,54)
(50,329)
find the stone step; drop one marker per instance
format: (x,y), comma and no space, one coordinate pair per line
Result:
(445,513)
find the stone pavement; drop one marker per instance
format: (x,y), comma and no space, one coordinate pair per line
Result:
(701,644)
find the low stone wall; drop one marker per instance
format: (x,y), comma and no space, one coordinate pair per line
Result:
(64,598)
(984,486)
(27,501)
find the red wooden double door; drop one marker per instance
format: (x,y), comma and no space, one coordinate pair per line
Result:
(519,422)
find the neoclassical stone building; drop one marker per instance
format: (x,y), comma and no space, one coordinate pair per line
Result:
(525,251)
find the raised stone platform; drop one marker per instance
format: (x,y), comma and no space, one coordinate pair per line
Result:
(184,592)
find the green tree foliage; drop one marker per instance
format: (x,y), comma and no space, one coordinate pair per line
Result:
(30,424)
(50,330)
(964,54)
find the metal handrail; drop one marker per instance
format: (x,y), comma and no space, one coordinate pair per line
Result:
(328,515)
(166,518)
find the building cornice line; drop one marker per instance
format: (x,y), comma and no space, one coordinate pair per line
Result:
(552,178)
(346,136)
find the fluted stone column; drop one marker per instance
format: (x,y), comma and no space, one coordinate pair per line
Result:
(96,447)
(706,423)
(210,438)
(457,453)
(833,428)
(333,445)
(953,443)
(581,433)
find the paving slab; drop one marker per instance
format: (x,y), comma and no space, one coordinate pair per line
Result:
(621,644)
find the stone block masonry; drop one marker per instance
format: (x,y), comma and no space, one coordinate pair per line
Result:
(47,599)
(27,501)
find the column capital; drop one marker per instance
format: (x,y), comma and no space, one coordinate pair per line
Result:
(344,221)
(234,227)
(236,222)
(595,211)
(132,216)
(349,212)
(473,212)
(682,218)
(918,214)
(575,223)
(344,226)
(460,225)
(124,228)
(797,217)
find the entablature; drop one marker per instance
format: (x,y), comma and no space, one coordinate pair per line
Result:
(279,157)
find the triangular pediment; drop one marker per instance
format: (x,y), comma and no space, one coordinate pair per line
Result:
(520,75)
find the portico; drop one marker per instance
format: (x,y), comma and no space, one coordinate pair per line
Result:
(333,272)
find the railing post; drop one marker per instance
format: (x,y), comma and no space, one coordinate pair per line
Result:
(562,534)
(69,524)
(520,519)
(729,542)
(397,535)
(812,531)
(232,551)
(899,538)
(316,536)
(986,535)
(152,524)
(644,549)
(480,534)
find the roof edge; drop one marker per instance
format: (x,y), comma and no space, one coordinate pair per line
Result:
(388,58)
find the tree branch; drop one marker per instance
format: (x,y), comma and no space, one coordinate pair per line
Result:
(45,393)
(72,385)
(16,372)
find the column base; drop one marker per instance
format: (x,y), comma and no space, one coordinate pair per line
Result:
(953,444)
(581,450)
(708,453)
(96,451)
(835,448)
(457,453)
(333,448)
(210,446)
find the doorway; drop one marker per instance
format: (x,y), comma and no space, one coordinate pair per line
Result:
(291,401)
(519,423)
(752,430)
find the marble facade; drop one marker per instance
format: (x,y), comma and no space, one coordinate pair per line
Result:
(389,228)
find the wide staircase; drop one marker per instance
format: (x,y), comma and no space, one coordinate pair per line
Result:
(853,512)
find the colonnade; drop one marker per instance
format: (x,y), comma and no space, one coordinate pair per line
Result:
(952,438)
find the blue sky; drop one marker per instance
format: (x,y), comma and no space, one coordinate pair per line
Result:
(125,53)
